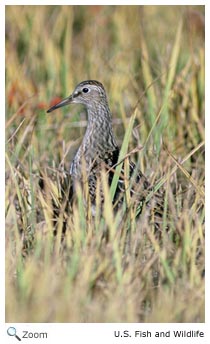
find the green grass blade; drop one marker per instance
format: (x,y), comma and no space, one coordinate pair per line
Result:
(171,75)
(122,154)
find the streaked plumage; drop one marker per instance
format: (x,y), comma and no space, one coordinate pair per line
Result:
(99,146)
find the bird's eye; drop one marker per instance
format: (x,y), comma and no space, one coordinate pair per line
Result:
(85,90)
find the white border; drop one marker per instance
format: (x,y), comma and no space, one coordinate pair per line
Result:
(122,2)
(94,333)
(2,162)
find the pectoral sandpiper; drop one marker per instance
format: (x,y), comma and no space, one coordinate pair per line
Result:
(99,147)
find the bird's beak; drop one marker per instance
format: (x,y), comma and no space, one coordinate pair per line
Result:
(63,102)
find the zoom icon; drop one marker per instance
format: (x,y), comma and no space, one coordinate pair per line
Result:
(11,331)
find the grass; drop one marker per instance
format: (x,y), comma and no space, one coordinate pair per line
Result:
(111,267)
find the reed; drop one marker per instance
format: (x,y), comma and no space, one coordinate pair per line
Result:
(108,268)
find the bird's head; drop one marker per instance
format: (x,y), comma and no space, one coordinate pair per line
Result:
(89,93)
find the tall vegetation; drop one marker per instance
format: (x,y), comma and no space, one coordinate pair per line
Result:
(105,268)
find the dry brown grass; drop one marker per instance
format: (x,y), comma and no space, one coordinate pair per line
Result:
(151,55)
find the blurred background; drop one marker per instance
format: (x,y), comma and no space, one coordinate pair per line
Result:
(130,49)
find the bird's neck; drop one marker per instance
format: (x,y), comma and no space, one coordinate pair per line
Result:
(98,139)
(99,136)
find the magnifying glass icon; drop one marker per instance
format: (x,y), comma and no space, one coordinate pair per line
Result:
(11,331)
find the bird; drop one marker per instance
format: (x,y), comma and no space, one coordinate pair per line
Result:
(99,148)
